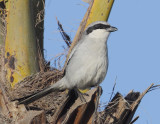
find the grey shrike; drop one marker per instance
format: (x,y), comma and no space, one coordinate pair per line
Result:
(88,62)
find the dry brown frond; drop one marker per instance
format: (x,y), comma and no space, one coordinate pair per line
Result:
(3,30)
(34,83)
(122,109)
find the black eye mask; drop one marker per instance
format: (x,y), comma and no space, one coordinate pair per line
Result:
(97,26)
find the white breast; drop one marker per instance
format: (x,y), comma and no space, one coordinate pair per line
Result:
(88,64)
(96,64)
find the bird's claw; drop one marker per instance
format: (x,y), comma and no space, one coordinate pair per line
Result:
(81,95)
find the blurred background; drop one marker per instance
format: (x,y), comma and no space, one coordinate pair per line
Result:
(134,60)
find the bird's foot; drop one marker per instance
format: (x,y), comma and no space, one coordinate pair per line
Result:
(81,95)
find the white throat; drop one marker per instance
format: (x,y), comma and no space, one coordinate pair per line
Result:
(100,34)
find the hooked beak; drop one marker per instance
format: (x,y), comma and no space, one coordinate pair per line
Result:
(112,29)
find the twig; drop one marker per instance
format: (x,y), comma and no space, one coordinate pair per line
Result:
(155,87)
(135,119)
(64,35)
(113,90)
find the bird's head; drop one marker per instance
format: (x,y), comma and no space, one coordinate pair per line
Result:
(99,29)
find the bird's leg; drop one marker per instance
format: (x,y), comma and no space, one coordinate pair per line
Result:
(80,94)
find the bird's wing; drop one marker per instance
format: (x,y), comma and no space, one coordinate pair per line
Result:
(75,48)
(73,52)
(71,55)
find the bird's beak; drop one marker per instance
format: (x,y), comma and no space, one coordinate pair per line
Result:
(112,29)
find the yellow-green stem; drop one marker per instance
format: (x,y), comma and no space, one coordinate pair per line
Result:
(20,45)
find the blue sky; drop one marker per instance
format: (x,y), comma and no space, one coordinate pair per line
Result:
(133,50)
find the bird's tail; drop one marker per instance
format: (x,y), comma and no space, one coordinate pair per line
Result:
(58,86)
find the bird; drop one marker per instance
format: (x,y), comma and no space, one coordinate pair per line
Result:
(88,61)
